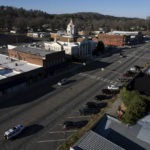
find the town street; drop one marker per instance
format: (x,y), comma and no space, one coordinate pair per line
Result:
(43,115)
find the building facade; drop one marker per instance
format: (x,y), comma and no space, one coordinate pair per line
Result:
(73,44)
(113,40)
(37,55)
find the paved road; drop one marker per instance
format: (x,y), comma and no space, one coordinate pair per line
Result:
(44,116)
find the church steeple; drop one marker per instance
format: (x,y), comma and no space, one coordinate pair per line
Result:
(71,29)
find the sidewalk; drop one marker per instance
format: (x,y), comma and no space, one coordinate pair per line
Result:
(112,111)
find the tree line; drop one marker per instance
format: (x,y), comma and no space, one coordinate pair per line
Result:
(11,17)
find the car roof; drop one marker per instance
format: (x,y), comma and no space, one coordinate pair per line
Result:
(11,130)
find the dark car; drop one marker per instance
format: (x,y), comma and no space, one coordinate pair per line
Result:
(137,67)
(88,111)
(131,73)
(110,92)
(124,80)
(101,105)
(92,105)
(127,75)
(106,91)
(101,97)
(95,105)
(71,124)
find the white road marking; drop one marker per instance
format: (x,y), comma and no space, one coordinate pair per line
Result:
(79,117)
(99,78)
(70,131)
(51,141)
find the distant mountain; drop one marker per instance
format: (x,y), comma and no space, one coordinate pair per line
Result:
(20,18)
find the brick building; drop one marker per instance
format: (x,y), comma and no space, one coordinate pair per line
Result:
(27,64)
(37,54)
(113,40)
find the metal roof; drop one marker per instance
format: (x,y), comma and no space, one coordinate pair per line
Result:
(94,141)
(128,137)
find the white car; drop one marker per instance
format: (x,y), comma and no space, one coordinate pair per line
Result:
(113,87)
(133,69)
(62,82)
(13,132)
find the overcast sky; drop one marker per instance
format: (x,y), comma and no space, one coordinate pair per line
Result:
(125,8)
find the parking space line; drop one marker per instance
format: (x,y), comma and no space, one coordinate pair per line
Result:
(51,141)
(70,131)
(99,78)
(79,117)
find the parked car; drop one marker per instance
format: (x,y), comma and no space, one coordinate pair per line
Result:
(102,97)
(110,92)
(62,82)
(71,124)
(95,105)
(13,132)
(88,111)
(92,105)
(137,67)
(124,80)
(133,69)
(113,87)
(127,75)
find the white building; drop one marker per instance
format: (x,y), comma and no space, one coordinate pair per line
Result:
(72,44)
(36,35)
(56,46)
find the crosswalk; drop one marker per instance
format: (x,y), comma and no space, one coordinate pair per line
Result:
(98,78)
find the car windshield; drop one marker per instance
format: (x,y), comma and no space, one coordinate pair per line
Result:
(14,128)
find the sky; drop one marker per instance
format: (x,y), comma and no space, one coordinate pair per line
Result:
(121,8)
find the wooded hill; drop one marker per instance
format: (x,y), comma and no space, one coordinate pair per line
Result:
(20,18)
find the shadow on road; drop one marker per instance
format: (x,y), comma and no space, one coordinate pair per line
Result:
(22,98)
(29,130)
(95,65)
(43,87)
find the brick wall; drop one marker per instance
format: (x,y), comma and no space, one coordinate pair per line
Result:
(34,59)
(54,35)
(113,40)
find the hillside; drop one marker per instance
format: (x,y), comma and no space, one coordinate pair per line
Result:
(20,18)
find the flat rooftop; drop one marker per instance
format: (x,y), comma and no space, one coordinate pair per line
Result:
(10,67)
(34,48)
(124,32)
